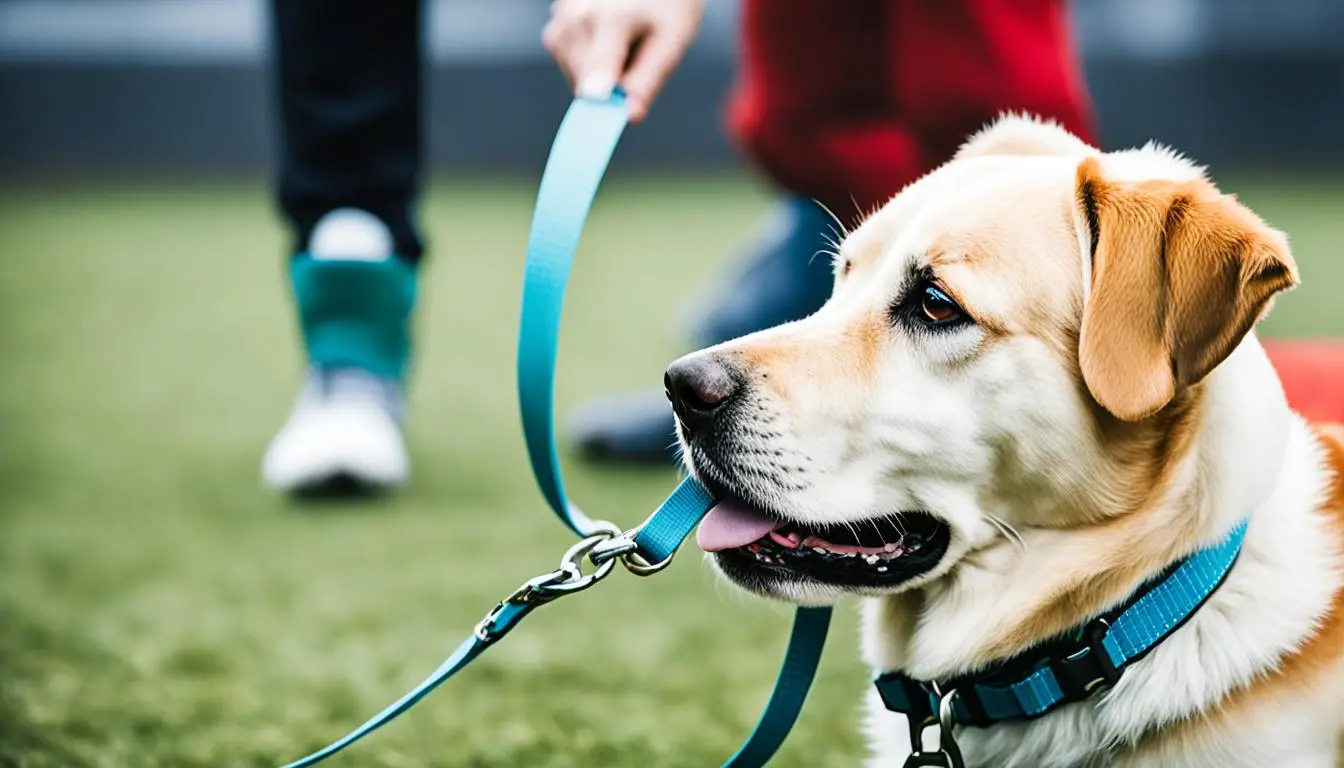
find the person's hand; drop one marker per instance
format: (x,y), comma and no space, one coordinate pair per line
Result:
(636,44)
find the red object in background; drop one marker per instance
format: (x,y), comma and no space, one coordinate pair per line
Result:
(847,101)
(1312,372)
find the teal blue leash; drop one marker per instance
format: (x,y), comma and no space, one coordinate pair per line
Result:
(583,146)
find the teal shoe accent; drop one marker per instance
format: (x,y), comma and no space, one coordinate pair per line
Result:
(355,314)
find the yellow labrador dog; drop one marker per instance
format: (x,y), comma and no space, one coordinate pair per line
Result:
(1033,430)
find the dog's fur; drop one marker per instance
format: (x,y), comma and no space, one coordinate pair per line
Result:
(1110,407)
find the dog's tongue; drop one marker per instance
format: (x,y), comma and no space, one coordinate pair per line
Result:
(731,524)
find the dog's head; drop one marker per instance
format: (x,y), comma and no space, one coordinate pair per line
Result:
(1013,342)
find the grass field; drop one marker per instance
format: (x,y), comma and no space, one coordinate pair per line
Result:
(157,608)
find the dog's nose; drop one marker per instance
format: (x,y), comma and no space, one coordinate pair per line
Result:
(698,386)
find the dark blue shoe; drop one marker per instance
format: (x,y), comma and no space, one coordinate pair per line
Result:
(787,276)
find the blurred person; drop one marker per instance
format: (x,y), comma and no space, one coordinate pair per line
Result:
(348,83)
(840,104)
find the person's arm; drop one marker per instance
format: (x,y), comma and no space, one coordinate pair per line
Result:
(632,43)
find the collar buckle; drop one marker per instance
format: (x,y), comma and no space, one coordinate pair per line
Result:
(1089,669)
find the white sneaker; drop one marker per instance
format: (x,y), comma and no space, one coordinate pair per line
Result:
(344,434)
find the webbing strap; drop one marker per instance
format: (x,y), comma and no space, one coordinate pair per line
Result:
(795,678)
(1152,617)
(673,521)
(583,147)
(470,648)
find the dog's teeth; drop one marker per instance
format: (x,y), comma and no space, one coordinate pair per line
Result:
(819,550)
(870,559)
(881,569)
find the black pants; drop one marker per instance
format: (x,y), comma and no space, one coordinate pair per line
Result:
(348,79)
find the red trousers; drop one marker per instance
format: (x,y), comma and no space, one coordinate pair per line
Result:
(847,101)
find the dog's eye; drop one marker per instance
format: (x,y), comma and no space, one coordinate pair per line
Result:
(927,307)
(936,308)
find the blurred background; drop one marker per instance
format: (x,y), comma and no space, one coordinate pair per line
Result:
(157,607)
(179,86)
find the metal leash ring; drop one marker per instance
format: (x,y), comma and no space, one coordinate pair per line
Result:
(624,548)
(638,565)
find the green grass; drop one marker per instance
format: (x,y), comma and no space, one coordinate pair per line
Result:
(157,608)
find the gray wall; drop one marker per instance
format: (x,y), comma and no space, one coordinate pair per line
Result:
(180,86)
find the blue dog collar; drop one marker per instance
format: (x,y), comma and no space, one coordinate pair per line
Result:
(1088,660)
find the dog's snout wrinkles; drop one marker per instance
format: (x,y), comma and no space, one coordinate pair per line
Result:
(698,387)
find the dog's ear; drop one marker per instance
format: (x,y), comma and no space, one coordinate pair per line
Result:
(1180,273)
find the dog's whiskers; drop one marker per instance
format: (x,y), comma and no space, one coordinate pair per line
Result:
(852,528)
(1008,531)
(831,252)
(841,231)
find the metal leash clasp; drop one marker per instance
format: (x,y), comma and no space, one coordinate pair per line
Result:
(603,548)
(564,580)
(946,754)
